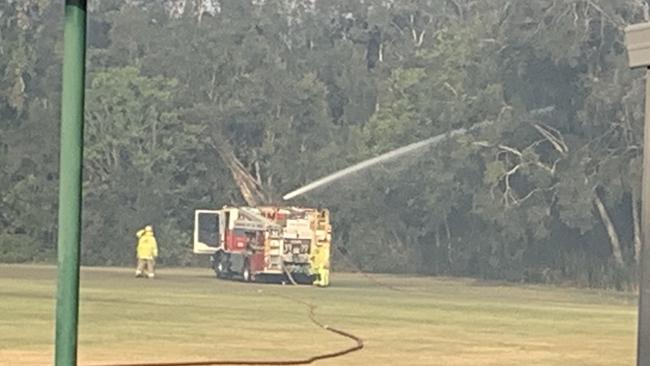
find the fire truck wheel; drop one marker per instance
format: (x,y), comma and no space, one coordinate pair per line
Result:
(219,269)
(246,273)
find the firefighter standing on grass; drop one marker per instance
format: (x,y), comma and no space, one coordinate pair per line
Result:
(147,252)
(321,265)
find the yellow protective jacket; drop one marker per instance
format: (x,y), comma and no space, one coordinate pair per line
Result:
(147,246)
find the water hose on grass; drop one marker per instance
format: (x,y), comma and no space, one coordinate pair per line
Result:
(289,276)
(305,361)
(366,275)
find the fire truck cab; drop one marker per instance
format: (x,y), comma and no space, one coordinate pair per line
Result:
(264,242)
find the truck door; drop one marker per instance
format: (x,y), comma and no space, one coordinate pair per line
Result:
(208,231)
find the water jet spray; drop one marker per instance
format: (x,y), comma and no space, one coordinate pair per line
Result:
(380,159)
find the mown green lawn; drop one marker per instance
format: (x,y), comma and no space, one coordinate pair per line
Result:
(186,314)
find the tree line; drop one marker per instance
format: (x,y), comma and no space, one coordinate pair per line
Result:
(201,103)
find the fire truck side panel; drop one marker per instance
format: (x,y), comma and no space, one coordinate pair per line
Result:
(235,240)
(256,262)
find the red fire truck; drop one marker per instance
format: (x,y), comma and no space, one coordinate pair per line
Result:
(287,243)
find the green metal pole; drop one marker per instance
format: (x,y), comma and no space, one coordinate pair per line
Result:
(72,109)
(643,332)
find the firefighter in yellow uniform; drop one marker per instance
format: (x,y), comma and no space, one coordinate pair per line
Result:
(147,252)
(321,265)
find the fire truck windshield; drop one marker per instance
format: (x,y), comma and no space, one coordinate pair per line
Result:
(209,229)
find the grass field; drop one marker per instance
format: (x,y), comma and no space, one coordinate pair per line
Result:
(186,314)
